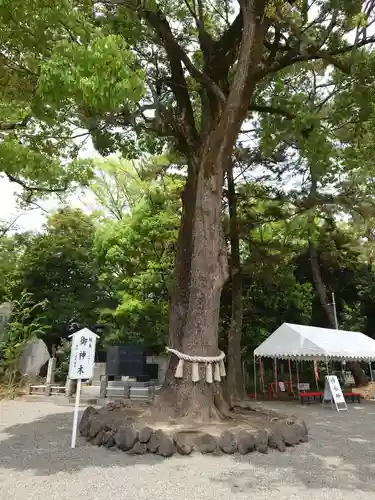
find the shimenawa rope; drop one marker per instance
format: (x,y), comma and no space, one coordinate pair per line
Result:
(217,361)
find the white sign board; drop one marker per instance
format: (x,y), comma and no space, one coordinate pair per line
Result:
(82,355)
(333,392)
(81,366)
(303,386)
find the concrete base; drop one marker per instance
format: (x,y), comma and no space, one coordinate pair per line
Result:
(122,390)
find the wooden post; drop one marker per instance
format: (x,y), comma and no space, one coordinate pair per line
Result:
(69,387)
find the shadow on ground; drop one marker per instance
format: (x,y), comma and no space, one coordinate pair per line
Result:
(340,453)
(44,446)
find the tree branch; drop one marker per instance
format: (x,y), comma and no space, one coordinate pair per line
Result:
(226,48)
(231,37)
(7,227)
(312,52)
(205,39)
(176,53)
(272,110)
(331,25)
(17,125)
(193,14)
(32,189)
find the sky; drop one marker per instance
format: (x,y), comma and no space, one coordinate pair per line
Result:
(33,218)
(29,220)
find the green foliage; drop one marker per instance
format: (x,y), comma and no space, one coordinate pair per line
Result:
(25,324)
(271,291)
(63,357)
(112,70)
(118,186)
(136,255)
(60,266)
(8,259)
(36,147)
(116,267)
(84,83)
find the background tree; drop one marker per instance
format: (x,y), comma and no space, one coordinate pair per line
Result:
(59,267)
(24,325)
(136,255)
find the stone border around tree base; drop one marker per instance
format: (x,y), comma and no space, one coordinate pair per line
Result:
(102,428)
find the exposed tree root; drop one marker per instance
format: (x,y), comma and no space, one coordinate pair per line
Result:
(189,414)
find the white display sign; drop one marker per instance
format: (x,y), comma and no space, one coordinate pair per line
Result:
(303,386)
(81,366)
(333,392)
(82,354)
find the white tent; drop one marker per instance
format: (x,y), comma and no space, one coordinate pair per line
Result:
(302,342)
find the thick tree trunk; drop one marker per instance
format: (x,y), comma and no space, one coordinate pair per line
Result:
(201,270)
(236,386)
(208,274)
(179,303)
(196,302)
(354,367)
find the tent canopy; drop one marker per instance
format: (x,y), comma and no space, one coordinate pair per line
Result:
(310,342)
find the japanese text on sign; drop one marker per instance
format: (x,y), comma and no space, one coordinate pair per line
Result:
(82,354)
(336,390)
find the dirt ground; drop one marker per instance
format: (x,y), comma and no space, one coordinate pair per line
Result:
(36,461)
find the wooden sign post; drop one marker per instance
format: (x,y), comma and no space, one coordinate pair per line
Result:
(81,366)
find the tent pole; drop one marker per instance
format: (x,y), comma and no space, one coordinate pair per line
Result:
(290,376)
(261,376)
(297,376)
(315,373)
(372,379)
(327,366)
(255,376)
(276,387)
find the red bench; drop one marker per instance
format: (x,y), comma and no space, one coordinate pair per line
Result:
(313,396)
(310,396)
(354,396)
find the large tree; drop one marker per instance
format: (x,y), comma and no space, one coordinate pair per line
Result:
(189,72)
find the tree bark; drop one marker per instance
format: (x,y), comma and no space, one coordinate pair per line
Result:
(354,367)
(201,271)
(319,285)
(194,315)
(179,302)
(236,386)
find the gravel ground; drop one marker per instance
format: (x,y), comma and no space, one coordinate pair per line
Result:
(36,462)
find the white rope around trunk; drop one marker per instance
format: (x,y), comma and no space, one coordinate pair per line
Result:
(211,375)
